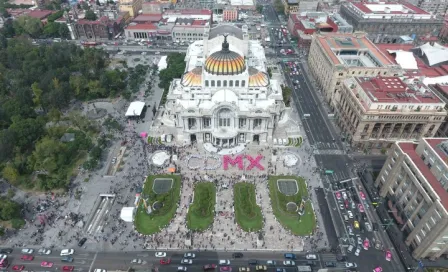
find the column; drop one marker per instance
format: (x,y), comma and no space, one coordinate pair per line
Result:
(405,193)
(420,224)
(390,133)
(413,214)
(400,133)
(411,130)
(380,131)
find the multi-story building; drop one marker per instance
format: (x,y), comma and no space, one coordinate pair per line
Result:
(153,7)
(98,30)
(305,24)
(374,112)
(298,6)
(433,6)
(334,57)
(131,6)
(386,22)
(414,184)
(441,89)
(189,30)
(230,14)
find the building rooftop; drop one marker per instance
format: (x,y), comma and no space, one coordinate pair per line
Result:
(348,46)
(37,13)
(410,150)
(148,18)
(393,90)
(242,2)
(388,8)
(189,12)
(423,68)
(142,26)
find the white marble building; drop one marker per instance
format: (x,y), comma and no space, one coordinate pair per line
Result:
(225,96)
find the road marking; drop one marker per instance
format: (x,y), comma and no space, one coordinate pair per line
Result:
(81,262)
(143,255)
(93,261)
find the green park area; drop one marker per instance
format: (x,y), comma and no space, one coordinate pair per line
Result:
(202,211)
(287,193)
(160,195)
(247,212)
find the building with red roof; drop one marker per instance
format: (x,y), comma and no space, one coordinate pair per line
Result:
(374,112)
(101,29)
(40,14)
(414,185)
(387,22)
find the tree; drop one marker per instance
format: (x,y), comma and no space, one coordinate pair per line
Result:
(279,7)
(17,223)
(54,115)
(26,131)
(10,173)
(28,25)
(49,155)
(9,209)
(259,8)
(90,15)
(270,72)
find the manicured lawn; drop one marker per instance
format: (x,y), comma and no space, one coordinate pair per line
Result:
(202,211)
(158,219)
(299,225)
(247,212)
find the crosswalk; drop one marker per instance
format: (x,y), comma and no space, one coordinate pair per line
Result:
(328,152)
(328,257)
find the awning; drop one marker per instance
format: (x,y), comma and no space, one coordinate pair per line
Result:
(135,108)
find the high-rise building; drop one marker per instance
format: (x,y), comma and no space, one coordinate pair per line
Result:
(131,6)
(413,184)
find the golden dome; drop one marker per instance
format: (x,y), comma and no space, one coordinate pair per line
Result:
(225,62)
(257,78)
(192,78)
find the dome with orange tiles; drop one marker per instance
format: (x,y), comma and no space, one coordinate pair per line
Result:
(257,78)
(192,78)
(225,61)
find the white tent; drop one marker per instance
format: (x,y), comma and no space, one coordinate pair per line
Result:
(434,53)
(162,63)
(127,214)
(405,59)
(135,109)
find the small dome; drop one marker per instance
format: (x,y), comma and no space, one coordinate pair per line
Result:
(257,78)
(192,78)
(224,96)
(225,62)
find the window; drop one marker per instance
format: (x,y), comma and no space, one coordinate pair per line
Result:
(230,83)
(237,83)
(242,123)
(224,83)
(243,83)
(218,83)
(206,122)
(257,122)
(213,83)
(206,83)
(224,117)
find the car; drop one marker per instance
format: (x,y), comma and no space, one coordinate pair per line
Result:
(362,195)
(356,224)
(358,250)
(350,214)
(344,195)
(99,270)
(289,263)
(165,261)
(67,251)
(338,195)
(224,262)
(388,255)
(368,226)
(136,261)
(160,254)
(366,244)
(46,264)
(378,269)
(351,265)
(68,268)
(341,258)
(271,263)
(350,248)
(27,257)
(353,205)
(261,268)
(341,206)
(44,251)
(82,242)
(244,269)
(67,259)
(181,268)
(186,261)
(280,270)
(346,204)
(350,230)
(27,251)
(253,262)
(290,256)
(311,263)
(361,208)
(6,250)
(18,267)
(237,255)
(375,226)
(225,268)
(189,255)
(359,241)
(209,267)
(330,264)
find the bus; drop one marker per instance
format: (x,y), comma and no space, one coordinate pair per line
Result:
(329,172)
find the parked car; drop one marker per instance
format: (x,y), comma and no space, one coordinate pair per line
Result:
(351,265)
(18,267)
(311,256)
(165,261)
(253,262)
(209,267)
(46,264)
(358,250)
(27,251)
(224,262)
(189,255)
(66,252)
(289,263)
(330,264)
(290,256)
(160,254)
(44,251)
(186,261)
(237,255)
(271,263)
(68,268)
(136,261)
(6,250)
(82,242)
(350,248)
(181,268)
(27,257)
(67,259)
(244,269)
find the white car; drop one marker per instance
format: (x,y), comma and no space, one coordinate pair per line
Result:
(181,268)
(186,261)
(44,251)
(311,257)
(350,265)
(359,241)
(67,252)
(368,226)
(189,255)
(136,261)
(160,254)
(224,262)
(350,248)
(289,263)
(344,195)
(358,250)
(350,214)
(27,251)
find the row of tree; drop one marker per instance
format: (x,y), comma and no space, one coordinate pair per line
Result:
(175,69)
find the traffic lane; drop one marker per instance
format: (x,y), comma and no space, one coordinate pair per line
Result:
(337,163)
(326,215)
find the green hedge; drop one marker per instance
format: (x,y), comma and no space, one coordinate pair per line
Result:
(247,212)
(202,212)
